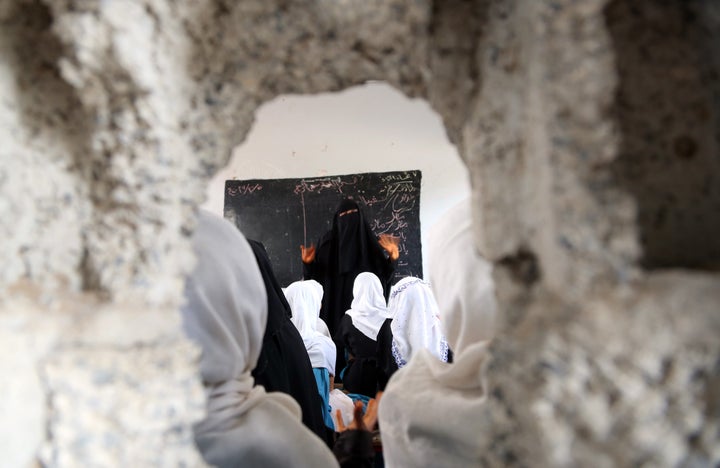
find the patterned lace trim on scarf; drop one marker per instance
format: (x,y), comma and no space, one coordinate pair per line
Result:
(402,362)
(444,350)
(396,354)
(405,286)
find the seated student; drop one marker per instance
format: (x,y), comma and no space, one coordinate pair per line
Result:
(424,400)
(284,365)
(416,321)
(225,314)
(305,298)
(365,333)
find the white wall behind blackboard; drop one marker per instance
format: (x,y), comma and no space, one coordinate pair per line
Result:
(370,128)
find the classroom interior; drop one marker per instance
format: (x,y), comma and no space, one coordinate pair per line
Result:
(585,135)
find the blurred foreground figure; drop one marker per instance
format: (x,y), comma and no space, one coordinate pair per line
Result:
(225,314)
(284,365)
(430,409)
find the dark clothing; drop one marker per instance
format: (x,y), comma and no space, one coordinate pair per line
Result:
(284,365)
(348,249)
(353,449)
(371,362)
(386,360)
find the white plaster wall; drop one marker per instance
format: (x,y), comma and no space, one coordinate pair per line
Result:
(369,128)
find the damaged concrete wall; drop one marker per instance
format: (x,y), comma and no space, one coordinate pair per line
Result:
(586,113)
(591,131)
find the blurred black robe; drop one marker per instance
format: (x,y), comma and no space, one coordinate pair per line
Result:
(284,365)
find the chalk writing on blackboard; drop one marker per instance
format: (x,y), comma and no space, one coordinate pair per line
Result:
(285,213)
(244,189)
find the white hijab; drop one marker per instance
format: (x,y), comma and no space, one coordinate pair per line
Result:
(225,314)
(424,401)
(368,310)
(305,299)
(416,322)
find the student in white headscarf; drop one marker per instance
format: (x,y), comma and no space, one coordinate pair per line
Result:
(225,314)
(305,299)
(416,321)
(430,408)
(365,333)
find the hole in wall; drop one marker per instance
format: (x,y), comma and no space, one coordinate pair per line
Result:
(368,128)
(669,128)
(523,267)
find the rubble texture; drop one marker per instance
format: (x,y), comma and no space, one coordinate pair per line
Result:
(591,131)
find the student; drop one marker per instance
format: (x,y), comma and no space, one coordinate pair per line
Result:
(225,314)
(305,298)
(365,333)
(416,322)
(284,364)
(346,250)
(431,410)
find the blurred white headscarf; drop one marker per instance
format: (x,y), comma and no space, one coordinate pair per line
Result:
(305,299)
(424,401)
(225,314)
(368,310)
(416,322)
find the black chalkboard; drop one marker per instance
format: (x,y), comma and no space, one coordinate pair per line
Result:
(285,213)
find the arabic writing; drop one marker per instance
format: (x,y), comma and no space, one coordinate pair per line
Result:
(323,184)
(243,189)
(287,213)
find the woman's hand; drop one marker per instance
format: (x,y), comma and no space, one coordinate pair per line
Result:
(307,253)
(390,244)
(361,422)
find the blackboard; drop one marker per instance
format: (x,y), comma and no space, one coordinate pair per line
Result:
(285,213)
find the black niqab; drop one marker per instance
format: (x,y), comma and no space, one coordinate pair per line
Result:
(354,244)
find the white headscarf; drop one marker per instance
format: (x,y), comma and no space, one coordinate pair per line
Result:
(424,401)
(225,314)
(368,310)
(305,299)
(416,323)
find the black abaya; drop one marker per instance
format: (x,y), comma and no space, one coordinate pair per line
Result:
(371,363)
(345,251)
(284,365)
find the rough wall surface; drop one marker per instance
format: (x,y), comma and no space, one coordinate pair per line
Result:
(591,130)
(668,158)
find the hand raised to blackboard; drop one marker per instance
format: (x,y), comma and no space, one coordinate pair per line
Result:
(390,244)
(307,253)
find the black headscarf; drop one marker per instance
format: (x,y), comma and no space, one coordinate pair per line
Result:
(284,365)
(355,243)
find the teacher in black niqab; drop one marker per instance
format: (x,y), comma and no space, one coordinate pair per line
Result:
(349,248)
(284,364)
